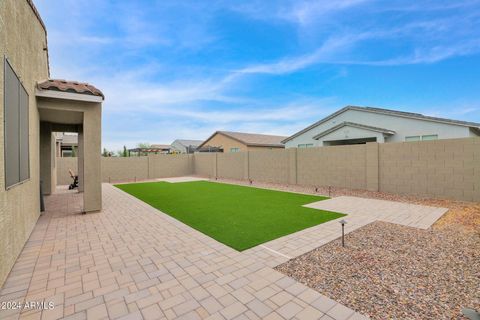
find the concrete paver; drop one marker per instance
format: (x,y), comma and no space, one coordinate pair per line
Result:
(131,261)
(360,212)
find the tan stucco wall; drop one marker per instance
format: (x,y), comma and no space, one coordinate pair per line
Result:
(22,40)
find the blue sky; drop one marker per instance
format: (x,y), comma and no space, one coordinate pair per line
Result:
(183,69)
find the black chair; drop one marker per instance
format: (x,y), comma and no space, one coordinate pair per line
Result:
(74,184)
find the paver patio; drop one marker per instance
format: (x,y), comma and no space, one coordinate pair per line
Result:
(361,211)
(131,261)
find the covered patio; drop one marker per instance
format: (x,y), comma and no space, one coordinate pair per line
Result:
(68,106)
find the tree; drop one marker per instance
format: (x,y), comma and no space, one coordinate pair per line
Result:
(143,145)
(125,152)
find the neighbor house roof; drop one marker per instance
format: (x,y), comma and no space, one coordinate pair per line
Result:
(161,146)
(411,115)
(187,143)
(70,86)
(251,139)
(355,125)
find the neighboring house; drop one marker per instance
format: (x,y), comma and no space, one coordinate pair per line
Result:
(66,144)
(185,146)
(228,141)
(32,108)
(152,149)
(358,125)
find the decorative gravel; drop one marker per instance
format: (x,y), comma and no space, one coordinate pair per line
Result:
(392,271)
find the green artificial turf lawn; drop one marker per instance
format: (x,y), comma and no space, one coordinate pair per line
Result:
(238,216)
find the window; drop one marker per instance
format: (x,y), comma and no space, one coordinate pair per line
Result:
(426,137)
(234,149)
(430,137)
(305,145)
(17,162)
(412,138)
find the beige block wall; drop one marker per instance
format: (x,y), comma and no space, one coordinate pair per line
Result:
(63,164)
(124,169)
(22,40)
(204,164)
(170,165)
(131,168)
(337,166)
(269,166)
(232,165)
(440,169)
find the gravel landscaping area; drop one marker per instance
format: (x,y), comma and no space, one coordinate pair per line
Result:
(392,271)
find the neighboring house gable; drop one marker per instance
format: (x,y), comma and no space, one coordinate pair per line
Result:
(185,146)
(352,125)
(230,141)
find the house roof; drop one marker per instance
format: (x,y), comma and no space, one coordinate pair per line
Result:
(251,139)
(160,146)
(411,115)
(355,125)
(70,86)
(67,139)
(187,143)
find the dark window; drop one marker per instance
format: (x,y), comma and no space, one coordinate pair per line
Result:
(17,163)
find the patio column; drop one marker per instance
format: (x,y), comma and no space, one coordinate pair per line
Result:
(80,160)
(372,166)
(47,158)
(92,135)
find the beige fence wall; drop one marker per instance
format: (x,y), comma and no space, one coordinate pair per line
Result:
(132,168)
(337,166)
(439,169)
(269,165)
(204,164)
(231,165)
(63,165)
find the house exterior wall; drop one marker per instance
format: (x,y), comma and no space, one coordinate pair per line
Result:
(401,125)
(348,132)
(22,40)
(177,146)
(220,140)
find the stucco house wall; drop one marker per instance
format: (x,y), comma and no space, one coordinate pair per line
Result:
(22,41)
(226,142)
(402,126)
